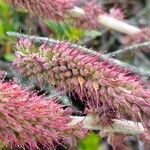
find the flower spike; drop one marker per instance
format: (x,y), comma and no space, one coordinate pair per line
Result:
(30,121)
(46,8)
(106,89)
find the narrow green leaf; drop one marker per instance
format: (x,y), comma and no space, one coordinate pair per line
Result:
(1,145)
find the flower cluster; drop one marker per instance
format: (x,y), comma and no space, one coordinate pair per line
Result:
(92,11)
(45,8)
(30,121)
(142,36)
(107,90)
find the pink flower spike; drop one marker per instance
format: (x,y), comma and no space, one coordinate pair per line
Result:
(106,90)
(29,121)
(55,9)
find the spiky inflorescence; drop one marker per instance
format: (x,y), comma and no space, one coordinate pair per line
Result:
(142,36)
(107,90)
(92,11)
(54,9)
(30,121)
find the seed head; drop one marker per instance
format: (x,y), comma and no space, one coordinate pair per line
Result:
(107,90)
(29,121)
(45,8)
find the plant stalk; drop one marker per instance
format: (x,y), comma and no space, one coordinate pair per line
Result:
(107,21)
(119,126)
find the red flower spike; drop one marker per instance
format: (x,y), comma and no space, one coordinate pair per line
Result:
(55,10)
(29,121)
(107,90)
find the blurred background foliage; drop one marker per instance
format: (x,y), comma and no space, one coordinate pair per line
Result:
(10,20)
(64,31)
(92,141)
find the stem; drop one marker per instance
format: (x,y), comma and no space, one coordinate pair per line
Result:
(120,26)
(119,126)
(129,48)
(85,50)
(107,21)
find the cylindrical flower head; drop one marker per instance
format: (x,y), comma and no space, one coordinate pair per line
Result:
(29,121)
(54,9)
(107,90)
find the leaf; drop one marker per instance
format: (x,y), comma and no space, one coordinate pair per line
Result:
(2,30)
(63,31)
(91,142)
(9,57)
(5,9)
(1,145)
(53,26)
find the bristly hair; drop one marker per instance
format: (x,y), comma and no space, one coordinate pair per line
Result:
(30,121)
(107,90)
